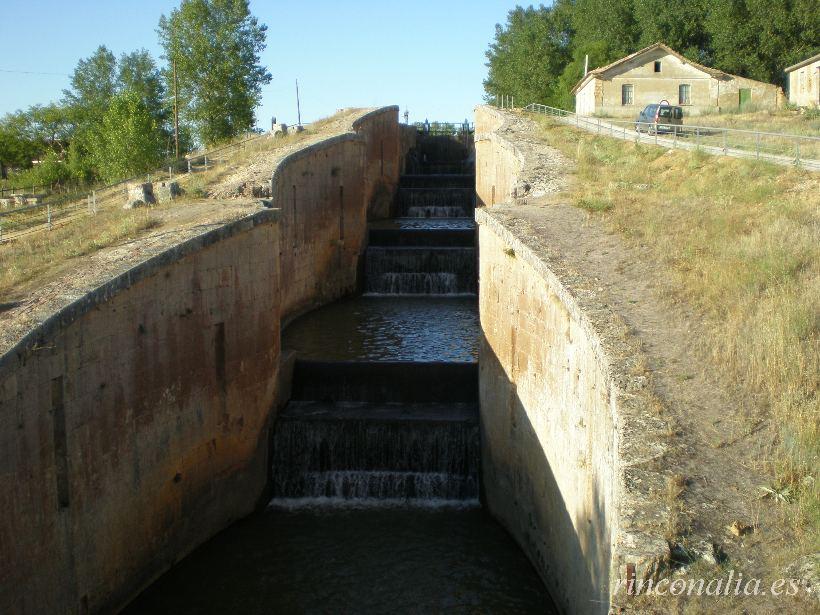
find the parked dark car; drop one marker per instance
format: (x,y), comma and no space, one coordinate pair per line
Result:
(661,117)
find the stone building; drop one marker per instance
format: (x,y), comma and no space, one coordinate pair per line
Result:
(658,73)
(804,82)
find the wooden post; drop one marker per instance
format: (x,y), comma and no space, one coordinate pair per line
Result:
(176,112)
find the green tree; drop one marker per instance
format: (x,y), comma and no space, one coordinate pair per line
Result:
(51,170)
(594,54)
(759,39)
(528,54)
(51,126)
(16,146)
(215,45)
(137,72)
(678,23)
(93,84)
(129,140)
(612,21)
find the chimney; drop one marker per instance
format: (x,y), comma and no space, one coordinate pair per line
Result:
(586,64)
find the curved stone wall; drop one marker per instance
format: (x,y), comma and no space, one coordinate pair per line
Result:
(498,161)
(570,440)
(134,421)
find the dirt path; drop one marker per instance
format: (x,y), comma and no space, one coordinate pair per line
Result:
(722,437)
(38,299)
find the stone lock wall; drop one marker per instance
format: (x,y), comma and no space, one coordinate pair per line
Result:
(327,193)
(134,422)
(547,425)
(383,155)
(566,428)
(498,162)
(320,192)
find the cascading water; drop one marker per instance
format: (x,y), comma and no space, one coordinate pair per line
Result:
(344,440)
(387,453)
(420,270)
(436,211)
(432,202)
(383,415)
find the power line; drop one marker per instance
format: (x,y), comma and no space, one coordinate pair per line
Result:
(31,72)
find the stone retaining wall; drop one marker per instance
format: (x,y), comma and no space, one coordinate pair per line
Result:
(134,421)
(570,441)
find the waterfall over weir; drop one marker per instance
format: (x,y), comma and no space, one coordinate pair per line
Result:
(420,270)
(364,432)
(388,452)
(375,460)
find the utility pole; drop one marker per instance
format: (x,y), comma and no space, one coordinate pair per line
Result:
(298,108)
(176,112)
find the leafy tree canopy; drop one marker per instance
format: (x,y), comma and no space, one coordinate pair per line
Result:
(129,140)
(528,55)
(538,55)
(215,45)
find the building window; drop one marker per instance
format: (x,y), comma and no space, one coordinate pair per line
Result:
(684,96)
(627,91)
(657,66)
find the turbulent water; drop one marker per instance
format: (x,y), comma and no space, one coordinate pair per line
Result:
(420,270)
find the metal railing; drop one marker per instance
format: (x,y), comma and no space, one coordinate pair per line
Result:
(21,221)
(777,147)
(445,128)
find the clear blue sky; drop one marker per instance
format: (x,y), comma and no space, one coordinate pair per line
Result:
(426,56)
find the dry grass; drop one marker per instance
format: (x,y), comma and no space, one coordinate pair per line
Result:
(740,241)
(27,258)
(779,120)
(30,258)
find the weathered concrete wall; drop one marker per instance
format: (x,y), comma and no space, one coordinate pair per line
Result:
(133,423)
(563,440)
(498,161)
(382,139)
(321,193)
(407,141)
(327,192)
(568,430)
(727,93)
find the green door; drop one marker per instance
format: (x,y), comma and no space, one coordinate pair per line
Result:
(745,96)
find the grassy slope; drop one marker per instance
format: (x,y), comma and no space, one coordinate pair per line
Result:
(35,257)
(781,120)
(741,243)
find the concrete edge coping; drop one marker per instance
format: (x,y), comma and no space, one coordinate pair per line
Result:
(357,123)
(493,135)
(76,308)
(352,135)
(630,544)
(140,271)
